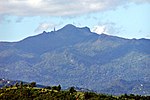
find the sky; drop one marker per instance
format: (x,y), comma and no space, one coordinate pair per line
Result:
(124,18)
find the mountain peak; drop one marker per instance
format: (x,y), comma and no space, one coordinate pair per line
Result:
(86,29)
(69,26)
(70,29)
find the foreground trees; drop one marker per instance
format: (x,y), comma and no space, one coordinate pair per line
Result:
(30,92)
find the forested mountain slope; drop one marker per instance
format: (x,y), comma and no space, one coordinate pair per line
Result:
(75,56)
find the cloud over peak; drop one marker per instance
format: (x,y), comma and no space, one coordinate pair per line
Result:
(99,29)
(59,7)
(44,27)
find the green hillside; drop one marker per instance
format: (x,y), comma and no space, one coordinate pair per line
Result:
(20,91)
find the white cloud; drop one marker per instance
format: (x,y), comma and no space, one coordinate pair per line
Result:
(19,19)
(44,27)
(59,7)
(1,18)
(99,29)
(109,28)
(140,1)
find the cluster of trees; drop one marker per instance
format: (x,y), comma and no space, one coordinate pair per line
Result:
(58,88)
(21,85)
(94,96)
(31,92)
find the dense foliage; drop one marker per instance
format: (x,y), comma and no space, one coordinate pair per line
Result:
(30,92)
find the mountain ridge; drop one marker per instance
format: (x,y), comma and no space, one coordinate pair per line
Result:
(69,26)
(75,56)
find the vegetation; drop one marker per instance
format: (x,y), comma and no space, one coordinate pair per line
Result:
(22,91)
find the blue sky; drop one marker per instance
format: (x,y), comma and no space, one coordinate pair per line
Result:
(124,18)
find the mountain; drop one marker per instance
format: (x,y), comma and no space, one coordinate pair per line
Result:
(74,56)
(129,87)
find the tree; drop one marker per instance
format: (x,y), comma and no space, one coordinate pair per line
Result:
(54,88)
(59,88)
(33,84)
(71,90)
(16,84)
(48,87)
(21,85)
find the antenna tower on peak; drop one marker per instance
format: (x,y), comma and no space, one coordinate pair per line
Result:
(54,29)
